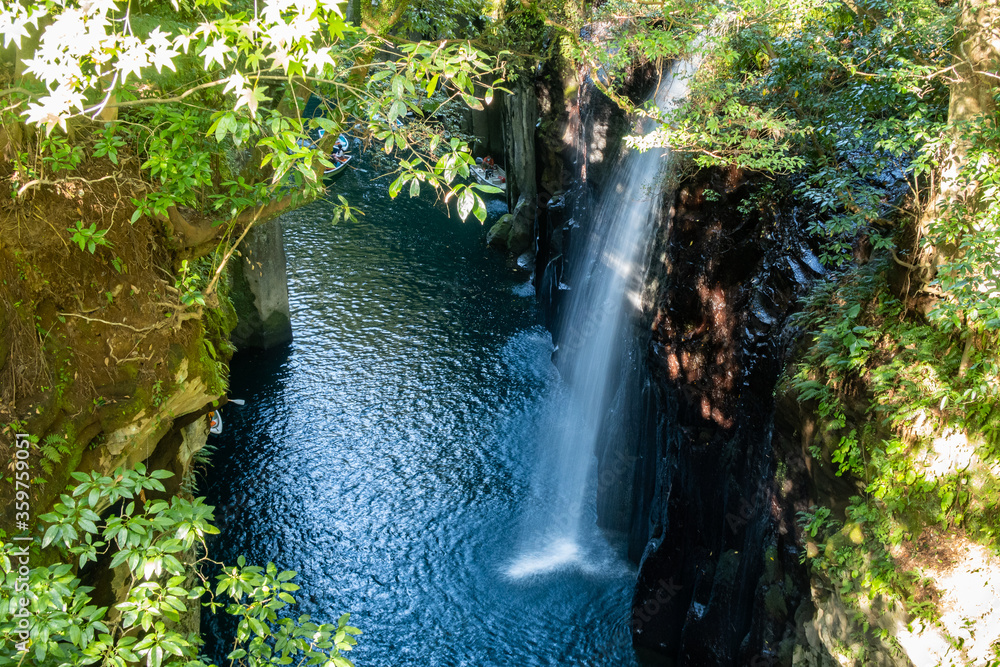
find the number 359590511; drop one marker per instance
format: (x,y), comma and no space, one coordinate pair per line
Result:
(22,496)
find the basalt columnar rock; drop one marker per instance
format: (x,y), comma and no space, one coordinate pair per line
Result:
(723,280)
(691,492)
(705,492)
(520,116)
(500,231)
(260,289)
(506,129)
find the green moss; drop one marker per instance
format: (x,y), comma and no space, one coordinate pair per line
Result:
(220,322)
(123,412)
(214,349)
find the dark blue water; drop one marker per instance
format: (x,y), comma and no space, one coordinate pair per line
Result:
(387,454)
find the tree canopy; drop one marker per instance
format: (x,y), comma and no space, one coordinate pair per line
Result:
(211,97)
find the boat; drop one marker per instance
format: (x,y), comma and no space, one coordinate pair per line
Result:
(215,422)
(396,124)
(488,173)
(339,156)
(339,168)
(215,417)
(342,141)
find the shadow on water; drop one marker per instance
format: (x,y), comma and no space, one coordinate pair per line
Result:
(387,452)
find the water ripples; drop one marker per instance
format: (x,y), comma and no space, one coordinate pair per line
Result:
(386,454)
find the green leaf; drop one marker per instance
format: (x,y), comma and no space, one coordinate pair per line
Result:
(466,200)
(395,187)
(946,500)
(219,129)
(397,110)
(50,535)
(478,209)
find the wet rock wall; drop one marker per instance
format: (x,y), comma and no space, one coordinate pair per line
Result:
(727,268)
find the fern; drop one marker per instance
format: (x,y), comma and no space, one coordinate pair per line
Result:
(51,453)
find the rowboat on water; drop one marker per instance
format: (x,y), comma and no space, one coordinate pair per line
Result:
(215,417)
(215,422)
(338,156)
(487,172)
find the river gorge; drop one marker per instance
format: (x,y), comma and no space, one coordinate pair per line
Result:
(713,381)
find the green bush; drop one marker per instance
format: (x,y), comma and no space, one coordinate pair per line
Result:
(48,616)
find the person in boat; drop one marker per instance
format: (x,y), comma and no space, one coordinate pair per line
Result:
(339,155)
(488,166)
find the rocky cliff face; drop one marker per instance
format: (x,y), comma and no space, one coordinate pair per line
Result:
(259,289)
(717,459)
(560,138)
(718,582)
(579,136)
(102,364)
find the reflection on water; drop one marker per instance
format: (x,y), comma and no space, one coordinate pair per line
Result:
(386,453)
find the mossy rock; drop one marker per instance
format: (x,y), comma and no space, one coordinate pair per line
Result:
(500,232)
(520,238)
(774,603)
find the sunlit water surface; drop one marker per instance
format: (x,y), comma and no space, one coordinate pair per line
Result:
(387,454)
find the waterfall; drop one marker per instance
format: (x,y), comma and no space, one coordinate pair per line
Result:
(605,272)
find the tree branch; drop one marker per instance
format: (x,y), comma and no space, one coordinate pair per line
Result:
(905,264)
(13,91)
(75,179)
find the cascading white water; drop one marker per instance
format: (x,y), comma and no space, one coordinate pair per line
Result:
(605,275)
